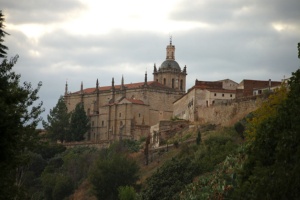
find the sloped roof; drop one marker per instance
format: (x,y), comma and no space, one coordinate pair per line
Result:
(221,90)
(127,86)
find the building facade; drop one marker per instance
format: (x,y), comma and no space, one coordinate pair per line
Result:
(203,94)
(128,110)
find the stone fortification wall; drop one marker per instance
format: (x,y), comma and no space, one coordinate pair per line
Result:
(227,114)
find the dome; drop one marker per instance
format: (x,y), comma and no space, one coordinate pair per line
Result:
(170,64)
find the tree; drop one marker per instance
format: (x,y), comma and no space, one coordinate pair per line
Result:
(271,170)
(268,109)
(111,171)
(3,48)
(58,121)
(299,50)
(19,117)
(79,124)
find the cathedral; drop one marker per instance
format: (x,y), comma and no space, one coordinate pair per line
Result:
(129,110)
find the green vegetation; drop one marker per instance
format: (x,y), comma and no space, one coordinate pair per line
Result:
(19,117)
(79,124)
(166,182)
(299,50)
(66,171)
(112,170)
(63,126)
(58,122)
(127,193)
(3,48)
(272,168)
(258,158)
(266,165)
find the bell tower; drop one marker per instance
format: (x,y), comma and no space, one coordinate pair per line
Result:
(170,51)
(170,73)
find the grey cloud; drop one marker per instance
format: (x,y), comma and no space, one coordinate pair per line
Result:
(218,11)
(244,47)
(38,11)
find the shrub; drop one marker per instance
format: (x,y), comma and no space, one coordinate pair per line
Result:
(126,193)
(111,171)
(168,180)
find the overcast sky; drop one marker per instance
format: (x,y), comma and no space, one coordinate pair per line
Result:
(75,41)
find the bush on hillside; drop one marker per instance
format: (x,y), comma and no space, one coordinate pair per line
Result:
(168,180)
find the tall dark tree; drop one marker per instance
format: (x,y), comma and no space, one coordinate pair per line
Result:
(79,124)
(58,121)
(3,48)
(19,117)
(299,50)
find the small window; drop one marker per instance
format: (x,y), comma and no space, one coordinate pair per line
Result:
(215,94)
(102,123)
(139,114)
(222,95)
(181,84)
(230,95)
(92,123)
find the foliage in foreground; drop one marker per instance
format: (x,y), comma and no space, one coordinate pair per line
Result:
(193,160)
(19,117)
(272,168)
(127,193)
(66,171)
(112,170)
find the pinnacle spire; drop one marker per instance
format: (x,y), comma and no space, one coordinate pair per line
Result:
(66,88)
(97,85)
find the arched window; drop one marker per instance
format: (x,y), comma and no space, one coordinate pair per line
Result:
(173,82)
(165,81)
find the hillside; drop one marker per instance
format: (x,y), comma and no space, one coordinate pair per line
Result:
(161,156)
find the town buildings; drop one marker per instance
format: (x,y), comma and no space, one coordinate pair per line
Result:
(129,110)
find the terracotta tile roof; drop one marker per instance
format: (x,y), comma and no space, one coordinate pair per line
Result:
(127,86)
(221,90)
